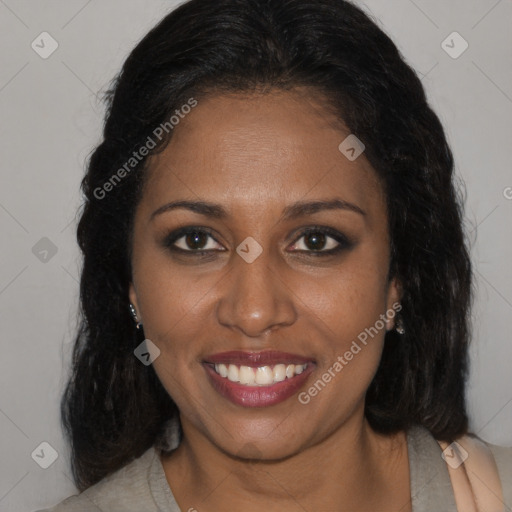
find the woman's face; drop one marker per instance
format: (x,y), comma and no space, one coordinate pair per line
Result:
(261,284)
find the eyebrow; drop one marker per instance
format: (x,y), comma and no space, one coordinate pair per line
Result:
(292,211)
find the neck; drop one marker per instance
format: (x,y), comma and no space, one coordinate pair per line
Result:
(353,468)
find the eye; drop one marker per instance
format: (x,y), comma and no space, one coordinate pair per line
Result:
(322,241)
(192,240)
(197,241)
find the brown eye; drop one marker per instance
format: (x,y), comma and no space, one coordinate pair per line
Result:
(192,240)
(315,241)
(321,241)
(196,240)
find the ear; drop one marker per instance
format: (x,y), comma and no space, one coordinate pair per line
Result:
(133,297)
(395,294)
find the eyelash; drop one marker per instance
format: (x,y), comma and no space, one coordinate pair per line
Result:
(343,241)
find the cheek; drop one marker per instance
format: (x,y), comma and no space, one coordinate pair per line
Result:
(344,311)
(172,299)
(345,316)
(345,302)
(177,312)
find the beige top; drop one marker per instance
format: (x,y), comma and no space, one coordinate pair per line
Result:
(141,486)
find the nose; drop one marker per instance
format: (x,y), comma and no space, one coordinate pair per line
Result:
(255,299)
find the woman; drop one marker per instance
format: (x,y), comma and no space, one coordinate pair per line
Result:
(276,285)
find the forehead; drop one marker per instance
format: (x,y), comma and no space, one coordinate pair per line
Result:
(260,150)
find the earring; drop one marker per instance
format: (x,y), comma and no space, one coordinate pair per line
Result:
(399,325)
(135,317)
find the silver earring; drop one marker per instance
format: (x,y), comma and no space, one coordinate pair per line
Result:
(135,317)
(399,325)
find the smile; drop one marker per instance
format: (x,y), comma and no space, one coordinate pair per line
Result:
(259,376)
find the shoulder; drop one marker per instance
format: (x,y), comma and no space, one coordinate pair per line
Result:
(125,490)
(503,458)
(489,468)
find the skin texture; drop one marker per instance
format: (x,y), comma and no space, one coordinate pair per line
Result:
(255,155)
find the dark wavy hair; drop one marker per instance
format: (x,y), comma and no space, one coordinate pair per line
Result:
(114,408)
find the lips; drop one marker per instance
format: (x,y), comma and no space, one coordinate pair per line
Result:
(256,359)
(259,390)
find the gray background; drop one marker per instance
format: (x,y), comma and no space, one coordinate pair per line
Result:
(51,120)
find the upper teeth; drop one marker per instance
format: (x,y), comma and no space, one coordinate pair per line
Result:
(260,376)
